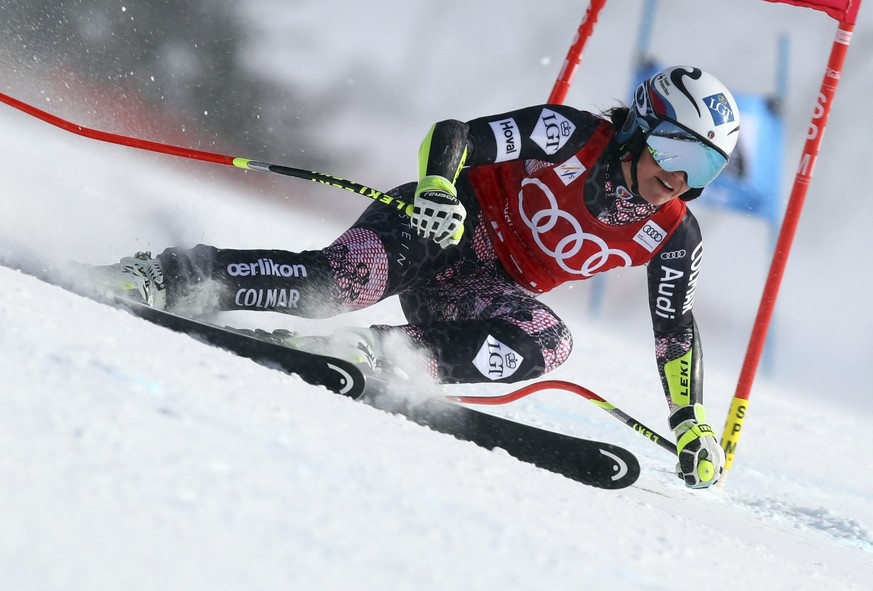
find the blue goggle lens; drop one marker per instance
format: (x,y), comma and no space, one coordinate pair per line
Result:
(676,149)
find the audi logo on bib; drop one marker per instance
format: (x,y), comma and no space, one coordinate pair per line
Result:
(560,236)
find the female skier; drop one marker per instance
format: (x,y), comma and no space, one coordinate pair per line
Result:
(506,207)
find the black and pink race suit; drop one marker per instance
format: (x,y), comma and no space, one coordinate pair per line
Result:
(547,202)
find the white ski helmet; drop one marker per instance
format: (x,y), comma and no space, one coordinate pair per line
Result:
(688,120)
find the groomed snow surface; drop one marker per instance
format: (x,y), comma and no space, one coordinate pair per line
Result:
(134,458)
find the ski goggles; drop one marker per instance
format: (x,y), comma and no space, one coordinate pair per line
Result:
(676,149)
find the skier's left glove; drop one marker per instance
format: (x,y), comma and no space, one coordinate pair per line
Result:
(701,458)
(437,214)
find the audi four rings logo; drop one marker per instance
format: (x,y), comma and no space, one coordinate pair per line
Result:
(545,220)
(653,233)
(673,254)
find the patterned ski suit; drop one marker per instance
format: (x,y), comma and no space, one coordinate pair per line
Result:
(547,202)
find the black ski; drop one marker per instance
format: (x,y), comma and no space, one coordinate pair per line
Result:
(334,374)
(590,462)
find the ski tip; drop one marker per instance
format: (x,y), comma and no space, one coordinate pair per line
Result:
(621,469)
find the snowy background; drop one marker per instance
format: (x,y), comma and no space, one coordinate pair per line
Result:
(134,458)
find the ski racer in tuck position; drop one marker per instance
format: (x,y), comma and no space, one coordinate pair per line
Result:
(505,207)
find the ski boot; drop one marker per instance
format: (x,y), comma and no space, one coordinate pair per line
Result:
(138,278)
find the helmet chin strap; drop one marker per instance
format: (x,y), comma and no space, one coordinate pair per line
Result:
(690,194)
(635,159)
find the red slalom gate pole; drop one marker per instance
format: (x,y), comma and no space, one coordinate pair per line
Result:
(737,413)
(574,55)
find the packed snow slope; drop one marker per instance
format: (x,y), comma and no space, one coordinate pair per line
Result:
(135,458)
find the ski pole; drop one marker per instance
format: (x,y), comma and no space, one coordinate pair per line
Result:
(243,163)
(575,389)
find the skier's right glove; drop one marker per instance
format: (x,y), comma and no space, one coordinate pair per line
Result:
(701,458)
(437,214)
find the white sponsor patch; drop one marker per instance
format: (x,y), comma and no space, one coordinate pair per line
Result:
(650,236)
(267,298)
(265,267)
(497,361)
(570,170)
(508,139)
(552,131)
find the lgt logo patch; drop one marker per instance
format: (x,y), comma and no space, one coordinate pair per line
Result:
(552,131)
(719,108)
(496,360)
